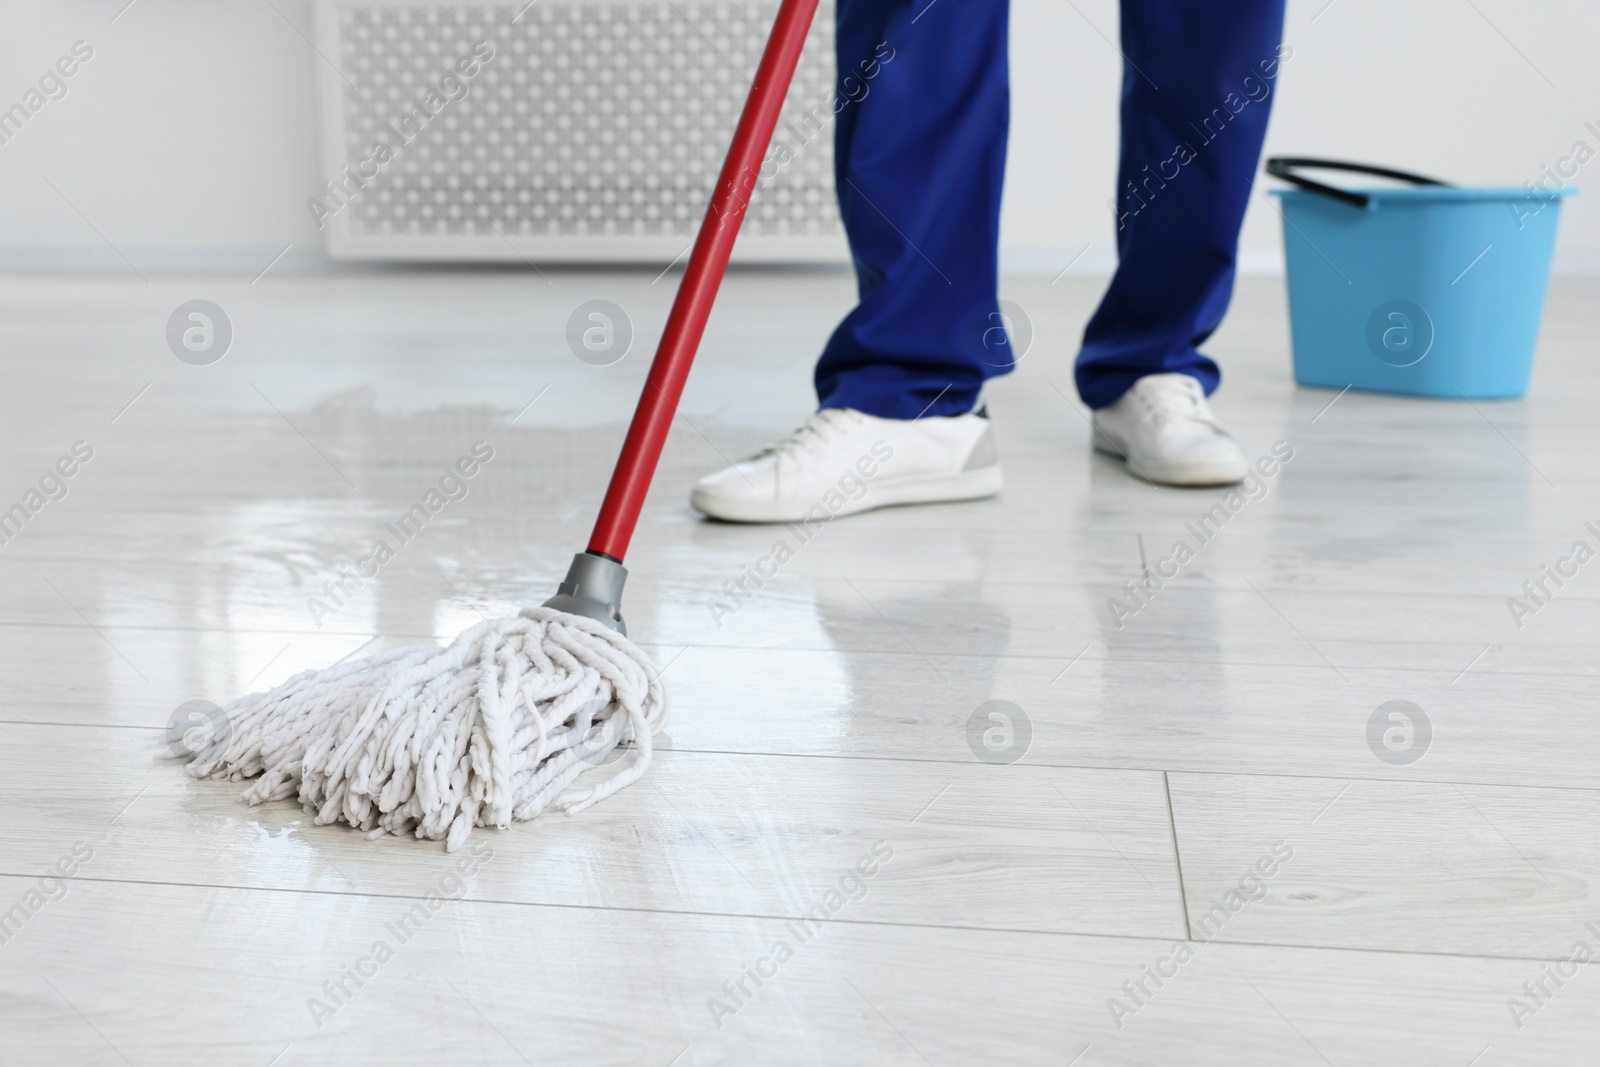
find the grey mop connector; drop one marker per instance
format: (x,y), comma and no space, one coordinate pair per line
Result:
(593,589)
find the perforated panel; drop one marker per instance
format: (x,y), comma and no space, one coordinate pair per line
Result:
(575,129)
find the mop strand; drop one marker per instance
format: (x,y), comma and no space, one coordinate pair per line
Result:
(433,741)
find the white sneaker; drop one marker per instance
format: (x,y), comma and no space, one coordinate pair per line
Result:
(1165,430)
(842,461)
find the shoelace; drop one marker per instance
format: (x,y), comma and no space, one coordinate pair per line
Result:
(1174,400)
(809,435)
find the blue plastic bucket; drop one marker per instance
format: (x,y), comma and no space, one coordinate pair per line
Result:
(1428,289)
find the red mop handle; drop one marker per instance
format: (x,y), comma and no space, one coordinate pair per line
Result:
(698,290)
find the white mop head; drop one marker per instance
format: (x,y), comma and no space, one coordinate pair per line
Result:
(434,741)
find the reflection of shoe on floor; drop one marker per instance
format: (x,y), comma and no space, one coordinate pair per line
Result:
(843,461)
(1165,430)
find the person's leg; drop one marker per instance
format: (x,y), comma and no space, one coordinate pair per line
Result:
(919,160)
(1197,88)
(920,154)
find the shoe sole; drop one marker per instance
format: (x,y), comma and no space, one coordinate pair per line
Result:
(1187,475)
(967,485)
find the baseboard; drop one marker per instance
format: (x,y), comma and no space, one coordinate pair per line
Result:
(161,259)
(1091,260)
(1097,261)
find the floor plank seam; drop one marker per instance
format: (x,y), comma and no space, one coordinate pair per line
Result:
(1177,857)
(863,923)
(1112,768)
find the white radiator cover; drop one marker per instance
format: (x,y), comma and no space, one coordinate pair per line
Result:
(593,133)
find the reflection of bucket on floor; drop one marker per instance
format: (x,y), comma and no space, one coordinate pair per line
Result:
(1427,289)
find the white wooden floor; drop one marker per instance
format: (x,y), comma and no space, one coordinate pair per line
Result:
(1098,900)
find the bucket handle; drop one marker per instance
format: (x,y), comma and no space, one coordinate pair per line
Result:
(1283,167)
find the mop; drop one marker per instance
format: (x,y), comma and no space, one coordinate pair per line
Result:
(501,724)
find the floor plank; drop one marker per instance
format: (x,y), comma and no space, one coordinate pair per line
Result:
(979,845)
(1425,867)
(199,975)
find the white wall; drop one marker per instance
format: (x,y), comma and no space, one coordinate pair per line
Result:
(1425,85)
(188,140)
